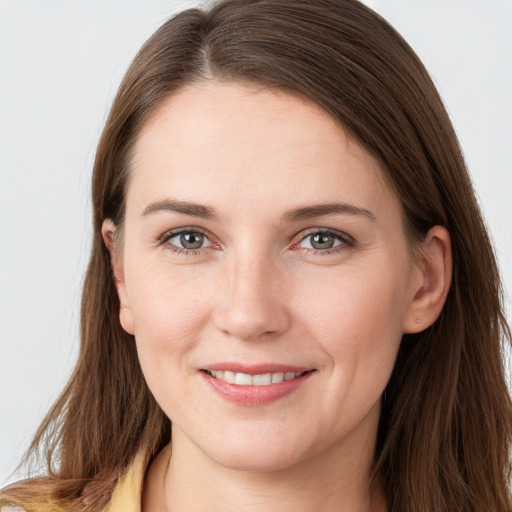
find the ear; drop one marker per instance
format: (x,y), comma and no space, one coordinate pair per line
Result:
(434,270)
(108,231)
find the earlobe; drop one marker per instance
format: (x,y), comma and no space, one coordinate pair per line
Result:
(108,231)
(435,274)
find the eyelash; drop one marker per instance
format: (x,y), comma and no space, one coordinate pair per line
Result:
(164,241)
(346,241)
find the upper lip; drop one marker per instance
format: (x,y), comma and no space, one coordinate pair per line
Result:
(256,369)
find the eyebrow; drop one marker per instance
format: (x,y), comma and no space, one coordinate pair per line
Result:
(320,210)
(298,214)
(184,207)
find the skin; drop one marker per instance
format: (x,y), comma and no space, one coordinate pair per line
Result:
(257,291)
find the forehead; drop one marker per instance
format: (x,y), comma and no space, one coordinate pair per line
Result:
(230,143)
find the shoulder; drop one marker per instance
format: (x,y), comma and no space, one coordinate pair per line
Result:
(128,491)
(30,495)
(37,494)
(35,506)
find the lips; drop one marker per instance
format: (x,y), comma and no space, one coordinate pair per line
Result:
(254,385)
(246,379)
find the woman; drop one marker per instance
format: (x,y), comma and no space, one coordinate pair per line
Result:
(290,277)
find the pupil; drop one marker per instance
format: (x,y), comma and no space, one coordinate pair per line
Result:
(191,240)
(322,241)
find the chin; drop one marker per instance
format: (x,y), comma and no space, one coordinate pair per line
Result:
(260,463)
(256,455)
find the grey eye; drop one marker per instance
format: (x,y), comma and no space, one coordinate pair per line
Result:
(190,240)
(320,241)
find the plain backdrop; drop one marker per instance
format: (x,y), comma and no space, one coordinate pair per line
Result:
(60,64)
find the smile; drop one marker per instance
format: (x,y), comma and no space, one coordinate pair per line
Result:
(245,379)
(258,385)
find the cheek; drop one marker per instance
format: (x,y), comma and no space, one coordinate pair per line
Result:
(164,299)
(168,314)
(357,319)
(168,309)
(353,303)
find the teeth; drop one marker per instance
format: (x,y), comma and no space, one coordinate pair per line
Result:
(277,377)
(244,379)
(226,376)
(262,380)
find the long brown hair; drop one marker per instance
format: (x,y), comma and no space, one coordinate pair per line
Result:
(446,425)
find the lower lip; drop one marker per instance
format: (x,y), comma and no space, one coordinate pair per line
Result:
(251,396)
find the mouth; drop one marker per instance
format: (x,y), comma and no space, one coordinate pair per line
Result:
(256,385)
(261,379)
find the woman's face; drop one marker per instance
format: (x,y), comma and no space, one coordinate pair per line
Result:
(261,239)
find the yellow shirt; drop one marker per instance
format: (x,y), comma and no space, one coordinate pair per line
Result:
(128,490)
(126,496)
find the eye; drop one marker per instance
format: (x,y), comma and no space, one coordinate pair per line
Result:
(324,241)
(188,240)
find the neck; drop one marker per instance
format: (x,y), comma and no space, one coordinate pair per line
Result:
(338,480)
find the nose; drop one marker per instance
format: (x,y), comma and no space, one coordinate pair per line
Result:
(252,301)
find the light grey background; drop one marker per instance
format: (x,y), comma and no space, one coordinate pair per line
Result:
(60,64)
